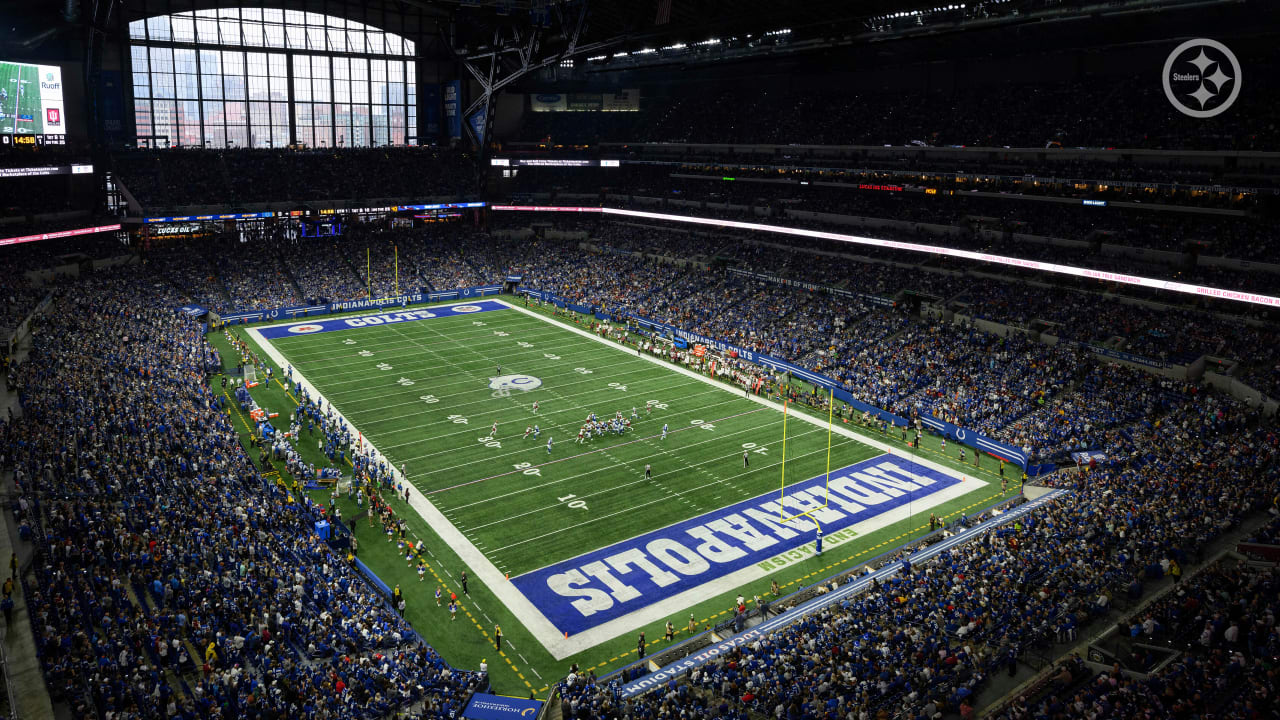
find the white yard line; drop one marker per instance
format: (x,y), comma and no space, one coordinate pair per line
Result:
(715,479)
(455,406)
(530,488)
(396,346)
(516,359)
(569,438)
(485,571)
(547,635)
(436,386)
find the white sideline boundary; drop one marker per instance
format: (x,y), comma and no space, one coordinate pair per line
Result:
(525,611)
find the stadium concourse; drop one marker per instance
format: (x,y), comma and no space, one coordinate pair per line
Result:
(122,456)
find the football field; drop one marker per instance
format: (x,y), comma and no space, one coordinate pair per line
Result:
(584,541)
(20,110)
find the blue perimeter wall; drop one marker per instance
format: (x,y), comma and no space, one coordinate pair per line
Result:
(951,431)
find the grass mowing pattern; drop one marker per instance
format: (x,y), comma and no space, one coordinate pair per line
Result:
(525,521)
(13,78)
(525,666)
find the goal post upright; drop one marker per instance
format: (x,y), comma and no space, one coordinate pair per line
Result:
(782,489)
(831,410)
(826,486)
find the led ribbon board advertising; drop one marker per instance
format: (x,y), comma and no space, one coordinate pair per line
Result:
(58,234)
(1170,285)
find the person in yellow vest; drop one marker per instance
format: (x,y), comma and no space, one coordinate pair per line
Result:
(211,654)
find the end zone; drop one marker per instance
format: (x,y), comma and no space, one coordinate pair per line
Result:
(515,596)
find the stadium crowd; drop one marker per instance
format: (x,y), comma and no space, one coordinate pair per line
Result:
(929,639)
(844,323)
(1223,623)
(161,550)
(111,476)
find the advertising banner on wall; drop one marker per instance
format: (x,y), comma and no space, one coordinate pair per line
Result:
(476,123)
(299,311)
(624,101)
(547,102)
(453,108)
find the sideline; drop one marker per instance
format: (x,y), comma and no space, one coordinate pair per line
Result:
(538,625)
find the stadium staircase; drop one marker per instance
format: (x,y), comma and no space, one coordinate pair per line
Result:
(346,260)
(1043,659)
(213,271)
(21,661)
(177,684)
(480,272)
(284,268)
(555,708)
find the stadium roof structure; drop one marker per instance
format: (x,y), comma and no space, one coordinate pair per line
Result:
(669,22)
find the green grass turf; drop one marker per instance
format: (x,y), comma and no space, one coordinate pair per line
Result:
(524,522)
(525,667)
(12,77)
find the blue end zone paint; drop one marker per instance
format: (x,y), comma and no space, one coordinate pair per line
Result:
(604,584)
(679,667)
(384,318)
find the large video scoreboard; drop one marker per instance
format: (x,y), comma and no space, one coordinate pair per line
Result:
(32,111)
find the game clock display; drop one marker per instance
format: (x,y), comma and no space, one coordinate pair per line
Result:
(32,140)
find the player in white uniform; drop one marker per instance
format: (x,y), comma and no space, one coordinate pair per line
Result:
(528,430)
(535,406)
(493,431)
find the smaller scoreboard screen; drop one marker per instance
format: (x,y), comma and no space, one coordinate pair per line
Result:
(553,162)
(31,102)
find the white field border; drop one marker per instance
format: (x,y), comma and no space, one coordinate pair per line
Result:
(525,611)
